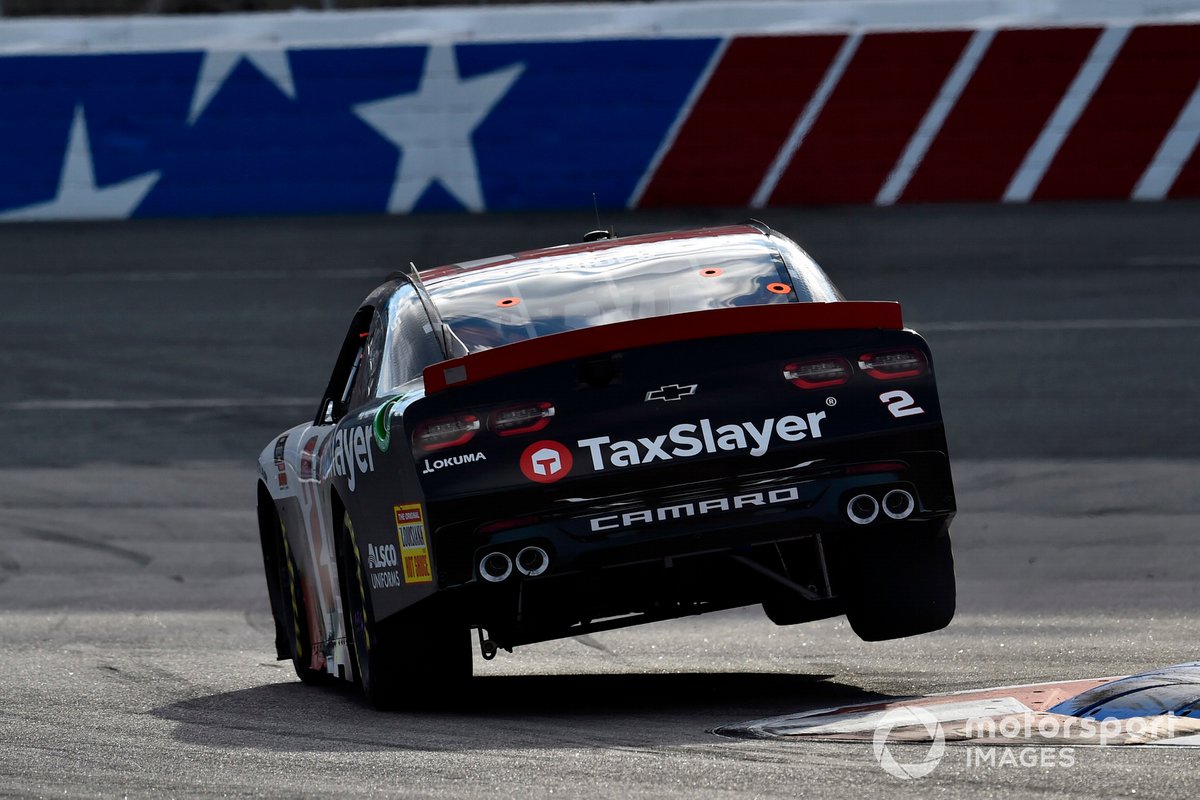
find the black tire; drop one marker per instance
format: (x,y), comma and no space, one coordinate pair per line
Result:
(295,610)
(415,658)
(901,583)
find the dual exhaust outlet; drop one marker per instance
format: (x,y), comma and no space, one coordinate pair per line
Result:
(530,561)
(863,509)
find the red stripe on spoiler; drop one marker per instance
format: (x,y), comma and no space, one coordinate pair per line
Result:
(660,330)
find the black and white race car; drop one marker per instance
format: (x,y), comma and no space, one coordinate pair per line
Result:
(592,436)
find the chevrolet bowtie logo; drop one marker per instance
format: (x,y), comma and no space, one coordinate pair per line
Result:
(672,392)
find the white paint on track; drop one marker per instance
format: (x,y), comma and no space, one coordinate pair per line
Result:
(211,276)
(232,403)
(1164,261)
(163,404)
(1003,325)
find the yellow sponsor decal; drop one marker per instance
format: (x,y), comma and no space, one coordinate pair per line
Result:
(414,546)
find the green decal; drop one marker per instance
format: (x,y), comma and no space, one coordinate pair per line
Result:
(382,426)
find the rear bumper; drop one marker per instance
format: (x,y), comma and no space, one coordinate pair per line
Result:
(686,549)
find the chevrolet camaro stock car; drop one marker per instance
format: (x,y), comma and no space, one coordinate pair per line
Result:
(592,436)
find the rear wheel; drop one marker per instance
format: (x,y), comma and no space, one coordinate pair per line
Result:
(414,655)
(295,610)
(901,584)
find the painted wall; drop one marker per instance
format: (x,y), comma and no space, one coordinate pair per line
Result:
(678,104)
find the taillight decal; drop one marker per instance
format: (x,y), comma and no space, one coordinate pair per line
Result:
(438,434)
(890,365)
(818,373)
(521,418)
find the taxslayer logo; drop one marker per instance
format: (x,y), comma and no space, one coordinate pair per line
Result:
(546,461)
(382,556)
(692,439)
(352,455)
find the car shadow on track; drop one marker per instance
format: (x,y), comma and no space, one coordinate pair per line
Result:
(504,712)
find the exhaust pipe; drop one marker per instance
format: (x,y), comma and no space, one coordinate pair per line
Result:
(532,561)
(898,504)
(495,567)
(862,509)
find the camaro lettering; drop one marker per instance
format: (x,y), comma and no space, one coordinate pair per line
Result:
(451,461)
(630,519)
(352,455)
(675,512)
(682,440)
(743,500)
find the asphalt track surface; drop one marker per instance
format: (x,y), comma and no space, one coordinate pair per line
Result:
(143,365)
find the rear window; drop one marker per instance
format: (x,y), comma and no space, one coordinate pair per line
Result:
(410,345)
(556,293)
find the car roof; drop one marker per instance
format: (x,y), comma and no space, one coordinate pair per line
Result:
(467,269)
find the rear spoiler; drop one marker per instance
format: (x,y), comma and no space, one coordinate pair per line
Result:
(569,345)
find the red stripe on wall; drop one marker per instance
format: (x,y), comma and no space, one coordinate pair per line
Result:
(1001,112)
(740,121)
(1187,183)
(869,118)
(1131,112)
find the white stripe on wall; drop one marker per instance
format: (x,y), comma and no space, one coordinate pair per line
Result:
(673,133)
(1040,156)
(1172,154)
(806,119)
(935,117)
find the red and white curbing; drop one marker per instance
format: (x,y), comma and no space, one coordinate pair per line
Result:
(1161,707)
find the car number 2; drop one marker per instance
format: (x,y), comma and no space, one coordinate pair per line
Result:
(900,403)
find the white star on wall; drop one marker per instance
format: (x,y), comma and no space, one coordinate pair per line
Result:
(214,71)
(433,127)
(78,196)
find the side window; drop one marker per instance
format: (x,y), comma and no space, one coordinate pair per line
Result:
(369,359)
(346,370)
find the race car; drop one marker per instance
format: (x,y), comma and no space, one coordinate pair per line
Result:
(598,435)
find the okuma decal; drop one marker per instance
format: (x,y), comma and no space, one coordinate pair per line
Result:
(433,465)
